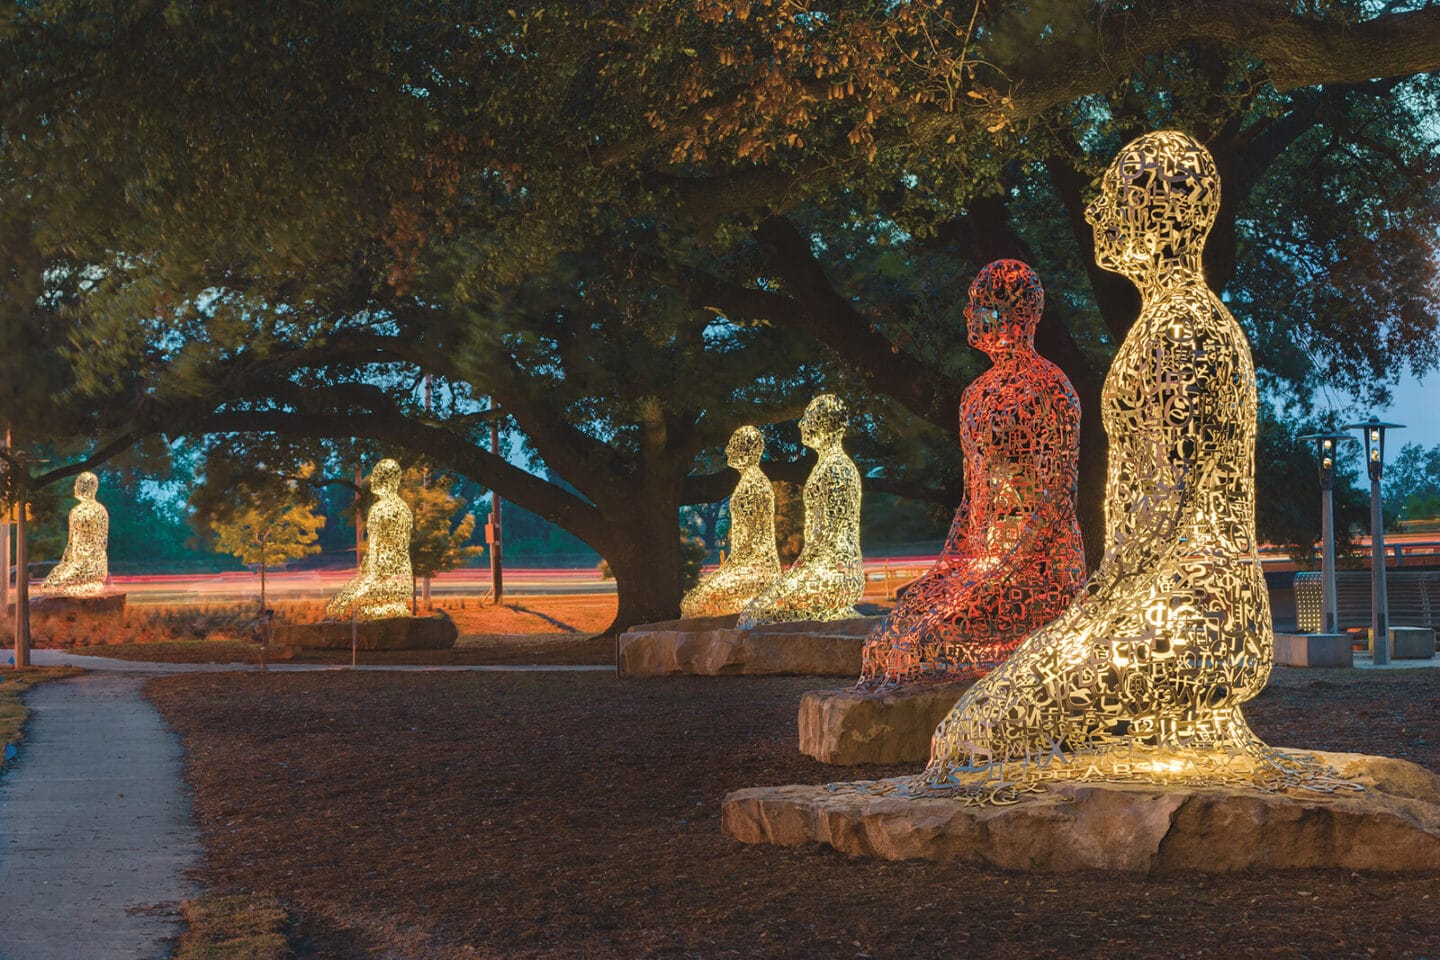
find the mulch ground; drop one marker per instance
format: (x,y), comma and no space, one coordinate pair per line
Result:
(577,815)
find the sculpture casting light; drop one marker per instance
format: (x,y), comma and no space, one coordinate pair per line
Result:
(1014,557)
(1143,675)
(753,563)
(83,567)
(383,587)
(827,579)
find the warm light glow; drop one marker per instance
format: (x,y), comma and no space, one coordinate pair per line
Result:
(827,579)
(83,567)
(1143,675)
(383,587)
(753,563)
(1014,557)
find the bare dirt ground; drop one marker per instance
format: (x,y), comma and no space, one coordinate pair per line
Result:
(568,816)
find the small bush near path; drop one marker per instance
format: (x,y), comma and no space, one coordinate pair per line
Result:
(236,927)
(568,816)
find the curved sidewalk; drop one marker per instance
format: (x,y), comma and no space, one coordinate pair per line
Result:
(95,827)
(96,834)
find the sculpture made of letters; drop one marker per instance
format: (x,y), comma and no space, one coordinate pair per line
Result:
(84,566)
(383,587)
(827,579)
(1143,675)
(1014,558)
(753,563)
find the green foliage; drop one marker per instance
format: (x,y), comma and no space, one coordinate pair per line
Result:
(1411,484)
(1288,494)
(435,544)
(269,535)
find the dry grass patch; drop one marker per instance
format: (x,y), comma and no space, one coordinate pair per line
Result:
(240,927)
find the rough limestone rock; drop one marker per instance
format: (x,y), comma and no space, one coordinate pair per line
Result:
(397,633)
(713,646)
(857,726)
(1391,826)
(72,608)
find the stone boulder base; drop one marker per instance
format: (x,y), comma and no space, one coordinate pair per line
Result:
(714,646)
(109,605)
(396,633)
(893,726)
(1392,826)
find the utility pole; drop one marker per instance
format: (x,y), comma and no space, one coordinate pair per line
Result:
(359,519)
(22,576)
(5,550)
(492,529)
(425,582)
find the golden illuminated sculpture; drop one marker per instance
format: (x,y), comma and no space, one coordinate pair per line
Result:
(1014,558)
(753,563)
(83,567)
(383,587)
(827,579)
(1143,675)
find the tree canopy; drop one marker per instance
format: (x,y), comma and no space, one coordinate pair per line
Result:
(627,228)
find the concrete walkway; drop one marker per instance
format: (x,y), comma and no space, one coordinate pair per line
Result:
(95,827)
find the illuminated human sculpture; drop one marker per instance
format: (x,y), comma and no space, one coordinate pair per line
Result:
(1014,558)
(1143,675)
(753,563)
(83,567)
(827,579)
(383,586)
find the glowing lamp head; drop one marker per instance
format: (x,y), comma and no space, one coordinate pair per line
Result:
(824,422)
(86,486)
(1006,301)
(745,448)
(1158,201)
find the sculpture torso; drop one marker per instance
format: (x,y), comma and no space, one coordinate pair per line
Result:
(752,522)
(84,566)
(827,579)
(1014,556)
(383,587)
(753,563)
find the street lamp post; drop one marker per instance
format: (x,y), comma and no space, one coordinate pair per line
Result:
(1373,433)
(1326,445)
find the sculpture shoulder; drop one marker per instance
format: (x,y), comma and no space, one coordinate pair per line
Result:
(836,468)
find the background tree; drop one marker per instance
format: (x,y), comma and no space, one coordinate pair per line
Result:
(603,218)
(1412,484)
(437,539)
(268,528)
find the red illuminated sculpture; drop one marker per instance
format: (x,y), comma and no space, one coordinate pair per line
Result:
(1013,559)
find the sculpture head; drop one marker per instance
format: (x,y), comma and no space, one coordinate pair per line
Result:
(1006,301)
(85,486)
(745,447)
(385,478)
(824,422)
(1158,201)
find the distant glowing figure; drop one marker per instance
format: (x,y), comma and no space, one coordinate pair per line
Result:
(83,567)
(827,579)
(1014,558)
(383,587)
(1142,677)
(753,563)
